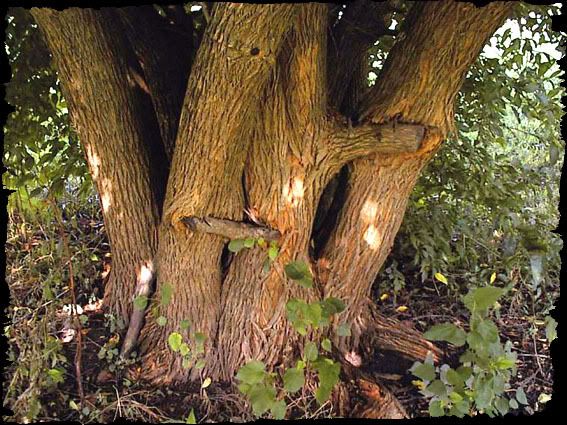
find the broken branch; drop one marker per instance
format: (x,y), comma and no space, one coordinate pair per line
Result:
(368,139)
(230,229)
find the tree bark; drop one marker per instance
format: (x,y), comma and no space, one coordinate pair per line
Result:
(260,136)
(232,64)
(164,51)
(116,124)
(420,79)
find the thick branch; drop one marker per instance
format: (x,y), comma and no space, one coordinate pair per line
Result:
(421,77)
(116,123)
(437,44)
(230,229)
(231,67)
(164,51)
(362,23)
(369,139)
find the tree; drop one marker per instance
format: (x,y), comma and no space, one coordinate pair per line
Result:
(237,125)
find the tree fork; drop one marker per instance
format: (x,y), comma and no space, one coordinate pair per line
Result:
(418,83)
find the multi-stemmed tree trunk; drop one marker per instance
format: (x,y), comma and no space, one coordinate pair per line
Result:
(250,121)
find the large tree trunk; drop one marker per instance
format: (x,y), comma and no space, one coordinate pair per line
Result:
(113,116)
(272,111)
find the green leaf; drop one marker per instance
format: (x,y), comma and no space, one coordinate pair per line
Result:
(454,378)
(266,265)
(482,298)
(483,393)
(278,409)
(455,397)
(424,371)
(311,352)
(56,375)
(328,373)
(438,388)
(502,405)
(200,339)
(191,419)
(249,243)
(446,332)
(161,321)
(487,329)
(322,394)
(184,349)
(436,409)
(252,372)
(273,252)
(200,364)
(184,325)
(313,313)
(513,404)
(504,362)
(521,396)
(166,292)
(299,271)
(262,398)
(236,245)
(333,305)
(140,302)
(293,379)
(550,329)
(174,340)
(326,344)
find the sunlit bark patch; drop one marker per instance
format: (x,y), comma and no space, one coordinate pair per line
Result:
(146,272)
(369,211)
(94,161)
(372,237)
(106,195)
(294,193)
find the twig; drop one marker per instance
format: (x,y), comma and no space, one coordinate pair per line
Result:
(77,322)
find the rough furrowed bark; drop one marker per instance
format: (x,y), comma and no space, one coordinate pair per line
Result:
(421,77)
(283,184)
(255,106)
(116,124)
(231,67)
(164,50)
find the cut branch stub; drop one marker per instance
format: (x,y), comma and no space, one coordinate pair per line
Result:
(368,139)
(230,229)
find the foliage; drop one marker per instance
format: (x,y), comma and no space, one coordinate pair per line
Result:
(490,195)
(38,321)
(41,151)
(480,382)
(259,385)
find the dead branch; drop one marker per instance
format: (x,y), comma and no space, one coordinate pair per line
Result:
(230,229)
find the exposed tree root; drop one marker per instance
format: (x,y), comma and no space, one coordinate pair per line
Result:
(375,400)
(389,334)
(380,402)
(405,344)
